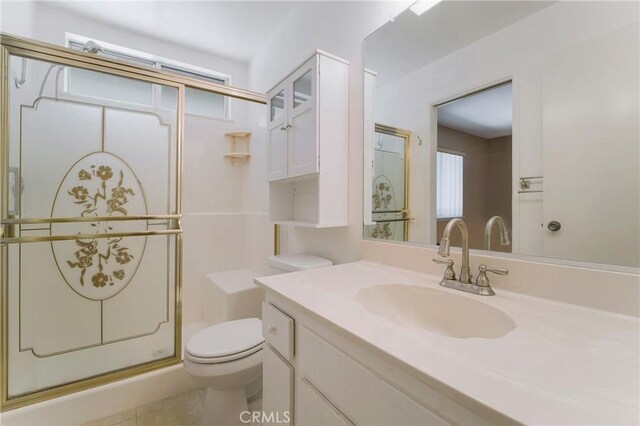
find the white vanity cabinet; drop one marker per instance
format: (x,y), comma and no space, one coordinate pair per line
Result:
(323,378)
(308,144)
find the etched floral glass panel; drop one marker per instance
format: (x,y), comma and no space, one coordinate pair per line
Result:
(94,286)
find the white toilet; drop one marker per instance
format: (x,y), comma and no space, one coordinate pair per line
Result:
(227,357)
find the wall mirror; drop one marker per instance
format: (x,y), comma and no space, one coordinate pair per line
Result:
(521,117)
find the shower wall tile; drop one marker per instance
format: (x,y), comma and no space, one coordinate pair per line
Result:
(211,182)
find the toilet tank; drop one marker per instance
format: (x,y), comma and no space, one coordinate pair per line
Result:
(296,262)
(233,295)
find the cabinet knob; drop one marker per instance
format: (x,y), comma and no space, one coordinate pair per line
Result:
(272,329)
(554,226)
(283,128)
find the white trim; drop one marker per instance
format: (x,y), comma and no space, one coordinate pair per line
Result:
(451,151)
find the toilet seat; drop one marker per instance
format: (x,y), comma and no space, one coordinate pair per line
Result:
(225,342)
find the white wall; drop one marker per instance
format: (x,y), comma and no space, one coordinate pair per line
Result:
(520,51)
(338,28)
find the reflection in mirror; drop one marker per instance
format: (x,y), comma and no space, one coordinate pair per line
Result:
(524,120)
(473,164)
(390,191)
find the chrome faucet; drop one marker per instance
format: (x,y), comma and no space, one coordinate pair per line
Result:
(445,246)
(481,286)
(505,240)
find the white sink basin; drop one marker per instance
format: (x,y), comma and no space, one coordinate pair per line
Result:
(436,311)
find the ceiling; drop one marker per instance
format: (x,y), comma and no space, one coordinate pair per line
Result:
(232,29)
(410,42)
(487,114)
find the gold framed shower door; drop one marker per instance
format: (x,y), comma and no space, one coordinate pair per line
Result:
(29,49)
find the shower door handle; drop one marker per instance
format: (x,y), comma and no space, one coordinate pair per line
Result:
(175,228)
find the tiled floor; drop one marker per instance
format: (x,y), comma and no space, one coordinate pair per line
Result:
(181,410)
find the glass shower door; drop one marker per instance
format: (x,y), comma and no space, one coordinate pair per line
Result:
(91,249)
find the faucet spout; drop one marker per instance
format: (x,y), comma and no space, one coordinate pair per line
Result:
(505,240)
(445,246)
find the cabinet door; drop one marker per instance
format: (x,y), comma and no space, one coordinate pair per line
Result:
(277,388)
(303,119)
(361,395)
(277,125)
(313,409)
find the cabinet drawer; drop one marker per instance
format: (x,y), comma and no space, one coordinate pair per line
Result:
(313,409)
(277,329)
(363,396)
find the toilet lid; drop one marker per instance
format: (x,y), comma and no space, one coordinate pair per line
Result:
(227,338)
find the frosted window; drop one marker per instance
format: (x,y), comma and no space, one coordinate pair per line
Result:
(196,101)
(106,86)
(449,185)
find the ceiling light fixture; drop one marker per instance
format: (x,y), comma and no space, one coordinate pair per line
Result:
(421,6)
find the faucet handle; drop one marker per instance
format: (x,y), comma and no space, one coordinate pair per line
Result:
(499,271)
(449,273)
(483,280)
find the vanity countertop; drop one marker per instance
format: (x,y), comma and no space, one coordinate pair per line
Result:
(562,364)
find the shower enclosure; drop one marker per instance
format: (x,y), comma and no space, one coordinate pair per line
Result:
(90,204)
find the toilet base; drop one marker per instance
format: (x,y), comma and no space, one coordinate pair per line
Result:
(224,407)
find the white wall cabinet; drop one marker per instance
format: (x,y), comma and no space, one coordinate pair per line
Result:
(338,382)
(308,127)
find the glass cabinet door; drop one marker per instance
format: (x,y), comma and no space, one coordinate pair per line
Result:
(278,133)
(303,133)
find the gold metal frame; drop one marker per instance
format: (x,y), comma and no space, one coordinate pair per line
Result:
(406,135)
(30,49)
(39,50)
(276,239)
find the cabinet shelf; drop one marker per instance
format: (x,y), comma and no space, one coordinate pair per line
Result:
(238,155)
(238,134)
(239,144)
